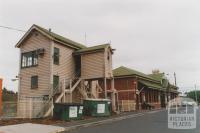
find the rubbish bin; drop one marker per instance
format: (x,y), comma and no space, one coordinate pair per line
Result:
(97,107)
(68,111)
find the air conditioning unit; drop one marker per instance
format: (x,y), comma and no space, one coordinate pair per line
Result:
(40,51)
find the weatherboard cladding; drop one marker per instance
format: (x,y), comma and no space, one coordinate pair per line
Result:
(92,65)
(66,67)
(97,65)
(33,42)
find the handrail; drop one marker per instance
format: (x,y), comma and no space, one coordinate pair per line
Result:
(49,103)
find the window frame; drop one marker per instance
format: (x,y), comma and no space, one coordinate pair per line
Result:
(29,57)
(56,77)
(56,56)
(35,77)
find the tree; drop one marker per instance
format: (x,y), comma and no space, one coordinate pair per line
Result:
(192,95)
(8,95)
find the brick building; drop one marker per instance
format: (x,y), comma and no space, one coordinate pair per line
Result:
(136,89)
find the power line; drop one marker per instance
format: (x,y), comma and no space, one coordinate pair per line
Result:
(11,28)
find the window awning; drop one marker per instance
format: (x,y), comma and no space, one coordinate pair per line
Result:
(151,85)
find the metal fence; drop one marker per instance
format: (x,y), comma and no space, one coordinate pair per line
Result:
(25,108)
(9,110)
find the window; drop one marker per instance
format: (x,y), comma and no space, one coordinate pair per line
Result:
(108,56)
(55,81)
(56,56)
(29,59)
(34,82)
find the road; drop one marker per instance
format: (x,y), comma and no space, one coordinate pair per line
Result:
(154,122)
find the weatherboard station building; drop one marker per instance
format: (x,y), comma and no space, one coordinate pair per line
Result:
(56,69)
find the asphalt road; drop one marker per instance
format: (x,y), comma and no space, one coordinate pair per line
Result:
(155,122)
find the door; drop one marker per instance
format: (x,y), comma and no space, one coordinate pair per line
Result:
(78,65)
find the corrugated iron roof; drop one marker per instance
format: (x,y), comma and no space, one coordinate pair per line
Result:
(157,76)
(53,36)
(124,71)
(60,38)
(151,84)
(93,48)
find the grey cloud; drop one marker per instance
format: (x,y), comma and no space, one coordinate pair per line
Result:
(147,34)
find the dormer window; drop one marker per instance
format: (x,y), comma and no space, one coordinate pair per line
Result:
(29,59)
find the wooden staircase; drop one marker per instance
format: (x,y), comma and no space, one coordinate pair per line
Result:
(65,89)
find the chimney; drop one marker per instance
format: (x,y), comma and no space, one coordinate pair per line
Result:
(155,71)
(49,29)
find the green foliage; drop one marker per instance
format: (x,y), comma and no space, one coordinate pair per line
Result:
(192,95)
(8,95)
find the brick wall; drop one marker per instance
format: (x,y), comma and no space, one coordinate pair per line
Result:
(126,88)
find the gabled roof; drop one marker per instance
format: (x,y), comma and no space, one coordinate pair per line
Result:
(157,76)
(92,49)
(124,71)
(165,82)
(151,84)
(53,36)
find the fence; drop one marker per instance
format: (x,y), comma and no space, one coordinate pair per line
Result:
(34,107)
(127,105)
(9,110)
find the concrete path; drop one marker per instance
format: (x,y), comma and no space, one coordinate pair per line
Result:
(31,128)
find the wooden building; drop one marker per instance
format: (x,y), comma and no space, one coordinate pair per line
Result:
(56,69)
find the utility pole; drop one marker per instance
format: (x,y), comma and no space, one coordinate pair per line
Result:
(195,87)
(175,78)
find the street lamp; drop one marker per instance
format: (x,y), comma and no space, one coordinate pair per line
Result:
(15,79)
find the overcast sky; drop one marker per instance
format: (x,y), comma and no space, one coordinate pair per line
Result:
(147,34)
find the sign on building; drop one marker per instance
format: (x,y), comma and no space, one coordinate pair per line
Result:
(73,112)
(100,108)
